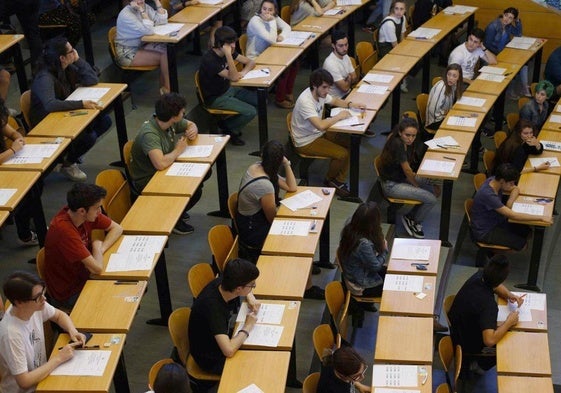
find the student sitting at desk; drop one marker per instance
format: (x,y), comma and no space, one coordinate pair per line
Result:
(210,324)
(158,144)
(392,32)
(301,9)
(70,252)
(135,21)
(60,72)
(23,360)
(342,372)
(262,31)
(339,65)
(309,129)
(489,216)
(398,179)
(537,109)
(473,315)
(468,54)
(443,95)
(518,146)
(217,70)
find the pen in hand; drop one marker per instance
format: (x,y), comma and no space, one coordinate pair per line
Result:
(73,344)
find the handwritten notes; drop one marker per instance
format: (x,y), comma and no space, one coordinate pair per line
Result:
(537,161)
(394,375)
(524,315)
(290,228)
(187,169)
(493,70)
(373,77)
(438,166)
(521,43)
(551,145)
(472,101)
(491,77)
(445,142)
(533,301)
(168,28)
(462,121)
(411,252)
(269,313)
(85,362)
(403,282)
(424,32)
(301,200)
(88,93)
(6,194)
(528,208)
(372,89)
(263,335)
(197,151)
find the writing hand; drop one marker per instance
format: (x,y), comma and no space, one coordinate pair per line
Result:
(66,353)
(250,320)
(512,318)
(344,115)
(88,104)
(17,145)
(254,307)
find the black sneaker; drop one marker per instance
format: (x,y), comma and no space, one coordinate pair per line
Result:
(181,228)
(418,231)
(314,292)
(408,224)
(236,140)
(369,134)
(185,217)
(316,269)
(341,189)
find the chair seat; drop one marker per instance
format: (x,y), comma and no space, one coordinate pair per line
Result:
(196,372)
(492,246)
(404,201)
(223,112)
(365,299)
(139,68)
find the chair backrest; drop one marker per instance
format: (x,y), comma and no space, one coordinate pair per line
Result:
(488,160)
(366,55)
(242,41)
(285,13)
(511,120)
(166,4)
(117,202)
(220,241)
(422,100)
(323,339)
(155,369)
(377,165)
(499,137)
(446,352)
(289,127)
(522,101)
(178,326)
(127,154)
(25,106)
(310,384)
(200,96)
(335,299)
(111,34)
(436,79)
(198,277)
(458,358)
(533,88)
(448,300)
(40,263)
(411,114)
(375,39)
(356,67)
(443,388)
(478,180)
(233,208)
(468,204)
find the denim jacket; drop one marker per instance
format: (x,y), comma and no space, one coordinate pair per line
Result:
(494,40)
(363,265)
(531,112)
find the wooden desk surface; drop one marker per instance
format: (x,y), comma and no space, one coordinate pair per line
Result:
(538,323)
(4,214)
(298,246)
(92,384)
(549,135)
(223,4)
(395,343)
(289,322)
(218,143)
(373,102)
(520,56)
(115,89)
(512,354)
(434,155)
(145,216)
(316,24)
(266,369)
(547,212)
(401,266)
(425,387)
(467,115)
(396,63)
(321,207)
(494,88)
(9,40)
(552,125)
(45,163)
(187,29)
(485,108)
(511,384)
(364,120)
(274,71)
(464,139)
(195,15)
(407,304)
(538,184)
(164,185)
(276,55)
(106,307)
(556,170)
(414,48)
(445,22)
(282,277)
(64,125)
(131,275)
(22,181)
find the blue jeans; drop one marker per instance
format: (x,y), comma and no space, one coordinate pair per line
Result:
(423,193)
(240,100)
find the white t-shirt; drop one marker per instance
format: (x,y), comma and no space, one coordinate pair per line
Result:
(339,69)
(22,347)
(466,59)
(306,107)
(387,31)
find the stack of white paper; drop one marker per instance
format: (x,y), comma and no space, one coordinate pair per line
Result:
(438,166)
(521,43)
(372,89)
(301,200)
(528,208)
(472,101)
(491,77)
(6,194)
(492,70)
(187,169)
(296,38)
(444,142)
(537,161)
(85,362)
(168,28)
(551,145)
(373,77)
(197,151)
(417,253)
(424,32)
(88,93)
(461,121)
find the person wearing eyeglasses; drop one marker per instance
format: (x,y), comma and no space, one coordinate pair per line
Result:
(211,324)
(23,358)
(342,372)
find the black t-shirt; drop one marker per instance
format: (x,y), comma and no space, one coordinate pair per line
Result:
(394,171)
(212,84)
(329,383)
(210,316)
(474,310)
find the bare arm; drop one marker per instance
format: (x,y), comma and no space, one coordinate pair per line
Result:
(162,161)
(229,346)
(94,262)
(492,337)
(288,183)
(409,174)
(490,57)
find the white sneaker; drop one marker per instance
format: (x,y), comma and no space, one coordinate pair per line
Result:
(73,173)
(403,87)
(33,240)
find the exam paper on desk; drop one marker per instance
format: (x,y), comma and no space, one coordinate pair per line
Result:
(388,390)
(443,142)
(524,314)
(437,166)
(528,208)
(395,375)
(168,28)
(403,282)
(6,194)
(411,252)
(290,228)
(263,335)
(372,77)
(301,200)
(129,261)
(372,89)
(553,161)
(142,243)
(85,362)
(533,301)
(462,121)
(88,93)
(15,160)
(187,169)
(268,313)
(555,118)
(43,150)
(472,101)
(197,151)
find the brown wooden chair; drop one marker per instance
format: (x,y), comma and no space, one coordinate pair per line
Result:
(285,13)
(366,56)
(495,248)
(489,160)
(233,209)
(117,202)
(221,240)
(447,305)
(213,112)
(324,340)
(40,263)
(127,155)
(305,159)
(499,137)
(446,354)
(422,101)
(435,80)
(167,5)
(511,120)
(242,42)
(310,384)
(443,388)
(375,40)
(178,325)
(155,369)
(198,277)
(478,180)
(522,101)
(338,304)
(25,107)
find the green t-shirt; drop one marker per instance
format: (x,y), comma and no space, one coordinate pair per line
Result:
(151,137)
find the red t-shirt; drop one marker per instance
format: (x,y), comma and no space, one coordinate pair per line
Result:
(65,247)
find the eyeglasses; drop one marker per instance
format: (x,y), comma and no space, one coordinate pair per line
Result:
(252,286)
(39,297)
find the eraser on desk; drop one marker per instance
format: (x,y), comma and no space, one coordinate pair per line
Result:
(420,295)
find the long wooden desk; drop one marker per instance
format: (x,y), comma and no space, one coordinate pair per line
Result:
(266,369)
(512,384)
(114,371)
(168,185)
(198,16)
(424,382)
(276,55)
(521,56)
(538,184)
(512,354)
(292,245)
(3,216)
(282,277)
(485,108)
(46,162)
(407,303)
(405,266)
(22,181)
(8,41)
(395,343)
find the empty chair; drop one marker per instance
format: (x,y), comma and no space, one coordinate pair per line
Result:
(324,339)
(117,202)
(198,277)
(310,384)
(221,240)
(366,55)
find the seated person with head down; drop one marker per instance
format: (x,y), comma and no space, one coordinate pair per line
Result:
(23,357)
(309,128)
(342,372)
(473,315)
(214,312)
(158,144)
(468,54)
(536,109)
(489,216)
(172,378)
(70,252)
